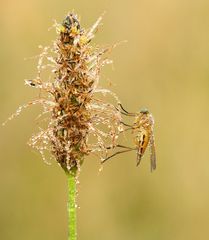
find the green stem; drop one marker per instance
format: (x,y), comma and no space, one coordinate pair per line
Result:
(71,207)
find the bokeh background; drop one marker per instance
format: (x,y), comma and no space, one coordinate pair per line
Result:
(165,67)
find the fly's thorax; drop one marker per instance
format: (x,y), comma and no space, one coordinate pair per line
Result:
(141,119)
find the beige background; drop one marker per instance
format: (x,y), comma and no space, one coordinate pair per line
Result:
(165,67)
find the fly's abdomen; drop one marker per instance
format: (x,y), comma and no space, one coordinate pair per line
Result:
(142,140)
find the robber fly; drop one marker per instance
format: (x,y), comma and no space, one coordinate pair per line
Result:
(142,129)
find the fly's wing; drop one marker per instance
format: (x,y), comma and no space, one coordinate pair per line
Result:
(152,153)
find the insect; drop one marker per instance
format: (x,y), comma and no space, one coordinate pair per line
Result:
(142,130)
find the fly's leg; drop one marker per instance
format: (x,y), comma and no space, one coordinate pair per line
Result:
(127,125)
(120,146)
(127,149)
(123,111)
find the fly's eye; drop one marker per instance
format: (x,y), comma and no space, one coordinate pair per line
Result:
(144,111)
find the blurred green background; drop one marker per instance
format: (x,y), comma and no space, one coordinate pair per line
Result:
(165,67)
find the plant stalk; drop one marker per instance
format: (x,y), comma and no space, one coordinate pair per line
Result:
(71,206)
